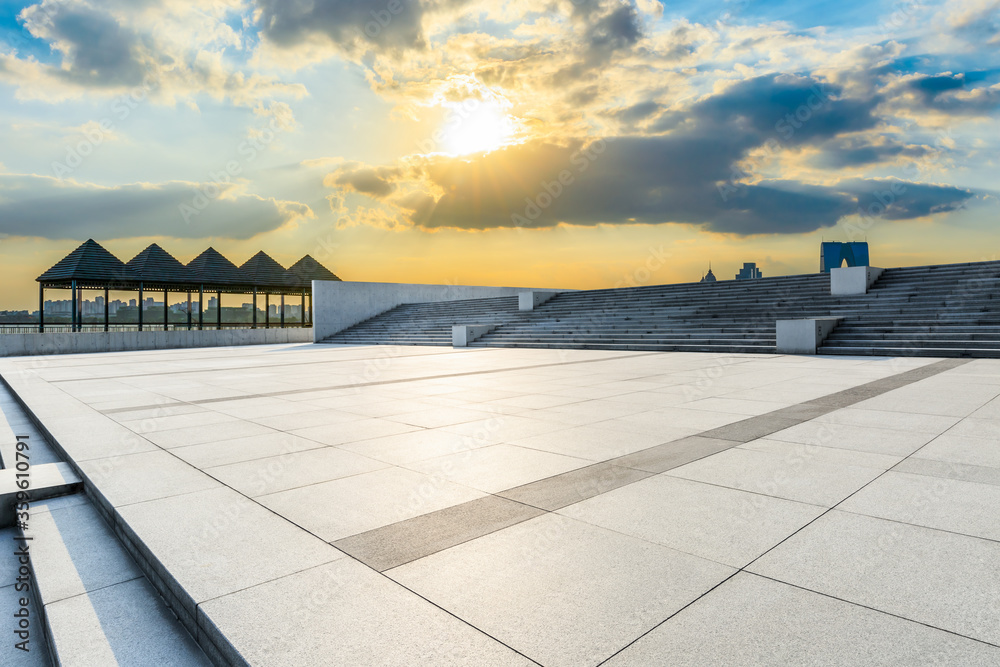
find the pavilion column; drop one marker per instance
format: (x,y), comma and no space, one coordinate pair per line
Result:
(189,310)
(72,304)
(282,310)
(140,306)
(107,311)
(310,307)
(267,310)
(166,311)
(302,310)
(201,307)
(254,308)
(218,310)
(41,307)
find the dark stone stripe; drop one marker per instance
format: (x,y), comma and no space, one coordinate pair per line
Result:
(399,543)
(556,492)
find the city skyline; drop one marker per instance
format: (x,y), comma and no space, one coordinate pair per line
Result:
(583,144)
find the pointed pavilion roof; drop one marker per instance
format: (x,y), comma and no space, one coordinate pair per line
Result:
(262,270)
(210,267)
(90,261)
(156,265)
(306,270)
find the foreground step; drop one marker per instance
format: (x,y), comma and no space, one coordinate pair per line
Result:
(98,607)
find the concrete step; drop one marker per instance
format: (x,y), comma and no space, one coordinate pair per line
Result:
(97,607)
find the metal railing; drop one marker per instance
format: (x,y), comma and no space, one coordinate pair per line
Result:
(13,328)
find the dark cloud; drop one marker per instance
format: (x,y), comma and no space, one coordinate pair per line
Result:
(859,151)
(41,206)
(366,180)
(894,199)
(615,31)
(793,109)
(97,51)
(957,93)
(389,25)
(635,179)
(637,112)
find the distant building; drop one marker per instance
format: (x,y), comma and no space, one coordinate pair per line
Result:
(833,254)
(749,272)
(709,277)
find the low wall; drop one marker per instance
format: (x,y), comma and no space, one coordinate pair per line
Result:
(338,305)
(12,345)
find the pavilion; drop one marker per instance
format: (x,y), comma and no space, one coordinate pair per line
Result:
(92,267)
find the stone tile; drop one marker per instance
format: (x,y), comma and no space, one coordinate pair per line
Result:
(739,406)
(365,502)
(720,524)
(555,492)
(807,481)
(215,542)
(211,433)
(672,421)
(673,454)
(94,437)
(560,591)
(922,423)
(497,467)
(858,438)
(751,429)
(74,551)
(831,454)
(977,428)
(399,543)
(963,449)
(946,504)
(345,432)
(292,469)
(950,470)
(123,480)
(170,422)
(378,623)
(313,417)
(438,417)
(755,622)
(415,446)
(592,442)
(944,580)
(124,624)
(252,447)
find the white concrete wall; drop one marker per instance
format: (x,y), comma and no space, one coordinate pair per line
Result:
(12,345)
(853,280)
(339,305)
(803,336)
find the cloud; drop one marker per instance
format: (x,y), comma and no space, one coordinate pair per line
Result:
(632,180)
(860,151)
(40,206)
(956,93)
(160,47)
(349,26)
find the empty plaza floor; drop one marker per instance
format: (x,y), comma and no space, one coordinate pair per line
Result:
(339,505)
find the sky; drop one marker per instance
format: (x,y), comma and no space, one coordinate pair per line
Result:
(561,143)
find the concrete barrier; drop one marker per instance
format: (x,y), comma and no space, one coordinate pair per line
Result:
(30,344)
(803,336)
(532,300)
(852,280)
(338,305)
(463,334)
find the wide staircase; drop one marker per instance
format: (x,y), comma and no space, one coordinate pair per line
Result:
(945,310)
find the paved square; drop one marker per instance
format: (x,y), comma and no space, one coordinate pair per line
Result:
(321,504)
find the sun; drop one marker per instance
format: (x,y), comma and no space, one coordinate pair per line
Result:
(477,127)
